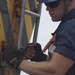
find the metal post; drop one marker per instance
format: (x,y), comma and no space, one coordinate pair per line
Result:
(21,23)
(37,26)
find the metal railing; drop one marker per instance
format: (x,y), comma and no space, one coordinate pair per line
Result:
(37,15)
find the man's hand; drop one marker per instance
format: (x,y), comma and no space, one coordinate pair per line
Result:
(29,51)
(13,56)
(34,52)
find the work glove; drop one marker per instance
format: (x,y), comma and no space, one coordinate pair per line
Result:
(39,55)
(13,56)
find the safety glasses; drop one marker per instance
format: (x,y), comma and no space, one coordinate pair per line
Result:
(53,4)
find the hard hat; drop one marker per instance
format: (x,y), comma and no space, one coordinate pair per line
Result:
(46,1)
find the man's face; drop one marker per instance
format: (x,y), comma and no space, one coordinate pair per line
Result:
(56,11)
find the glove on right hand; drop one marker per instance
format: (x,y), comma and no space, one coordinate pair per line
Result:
(13,56)
(39,55)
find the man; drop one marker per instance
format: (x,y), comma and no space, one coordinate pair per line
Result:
(63,58)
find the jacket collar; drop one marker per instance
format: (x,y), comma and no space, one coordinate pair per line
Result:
(67,17)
